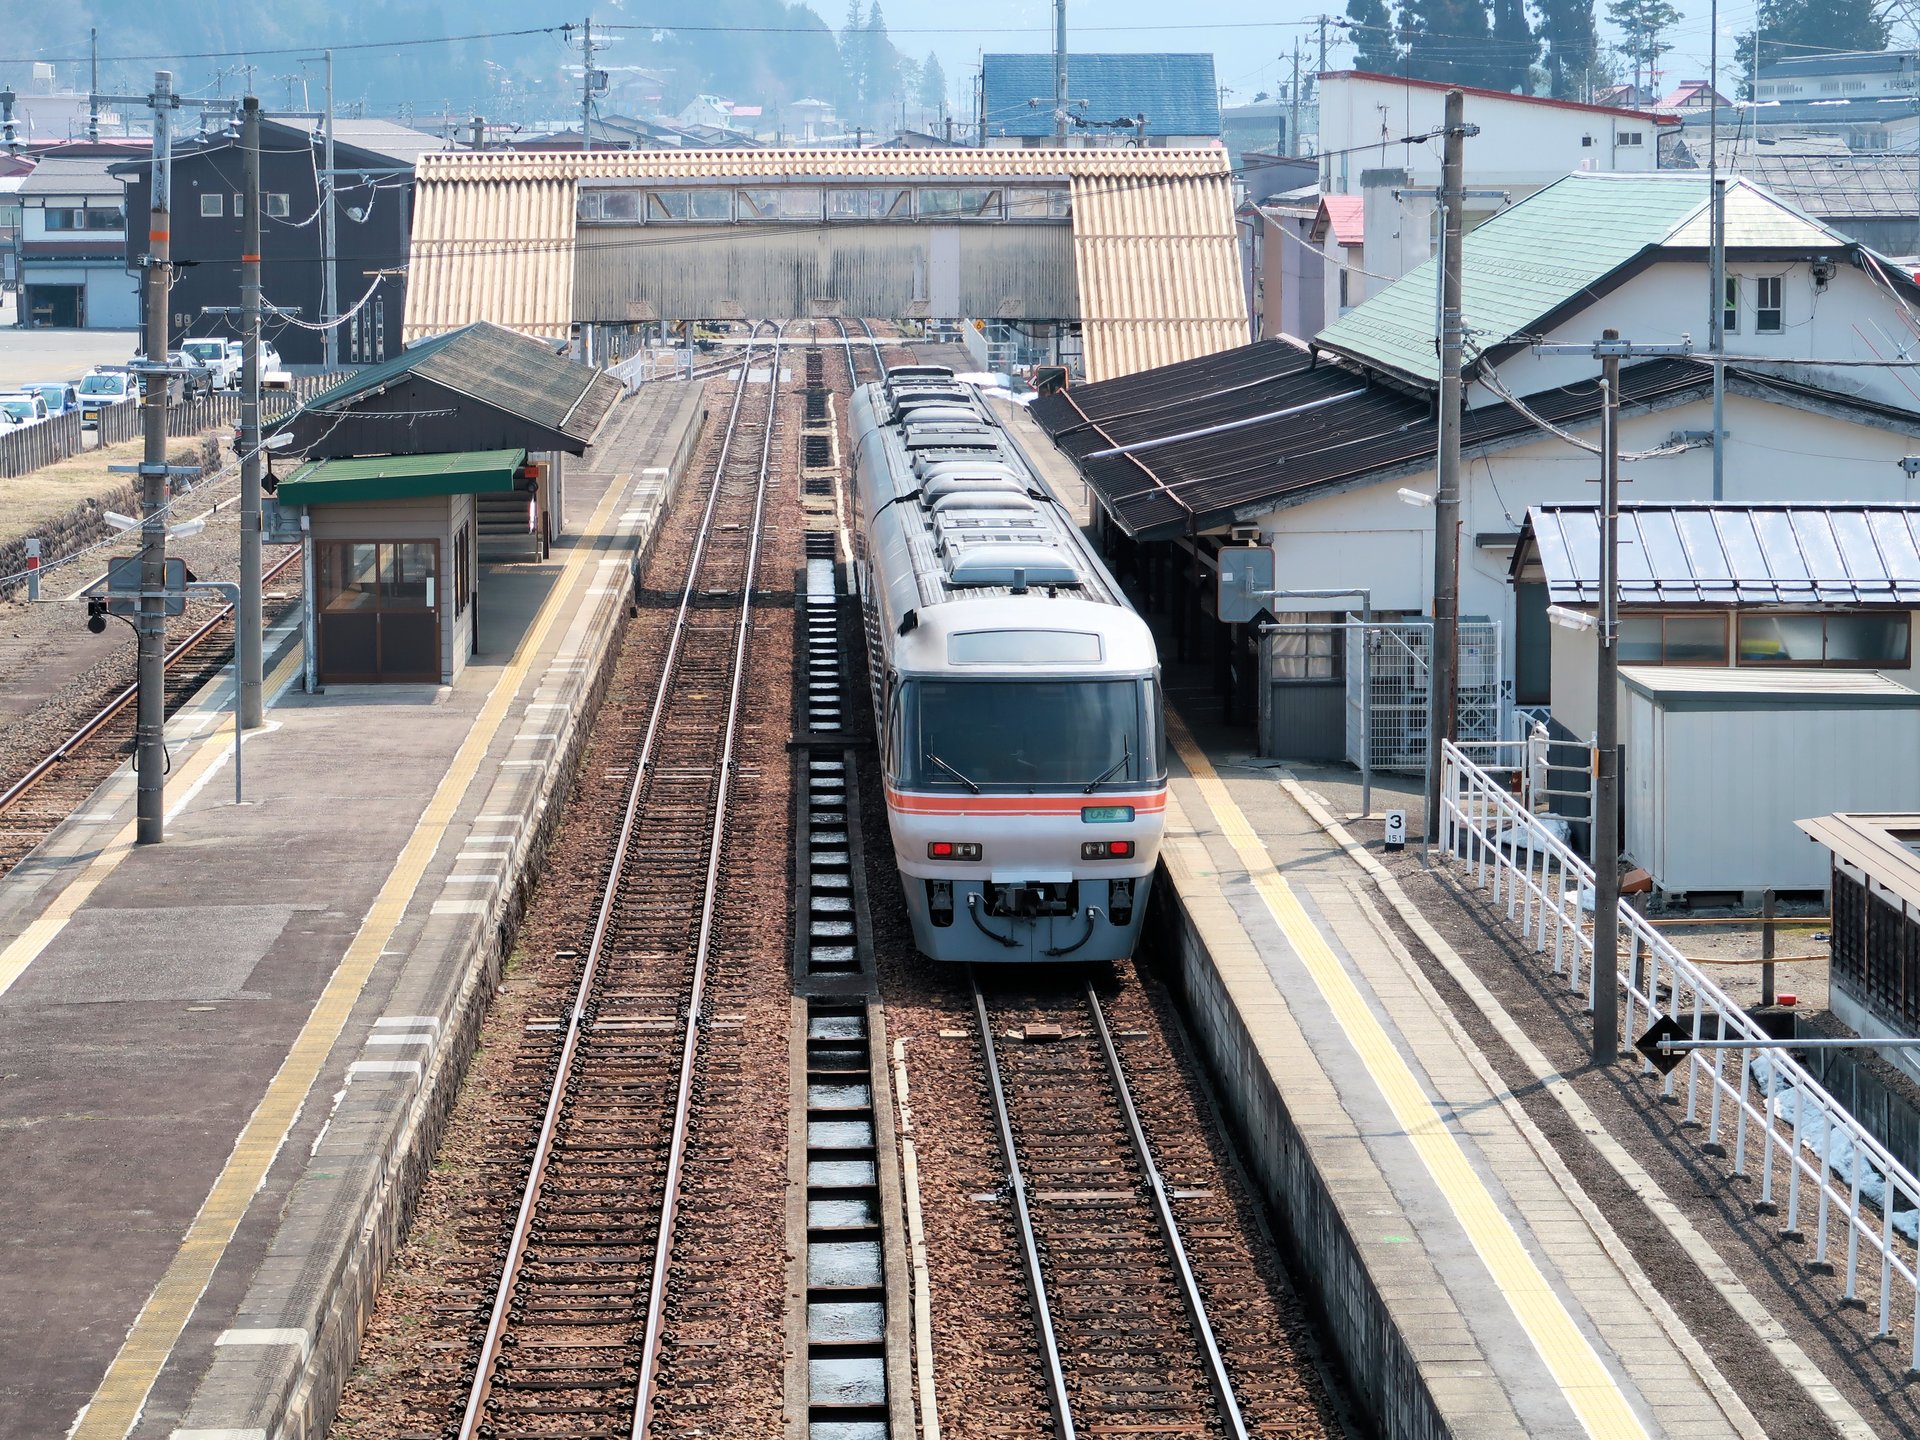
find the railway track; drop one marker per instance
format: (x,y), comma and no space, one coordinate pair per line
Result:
(1122,1327)
(576,1332)
(56,784)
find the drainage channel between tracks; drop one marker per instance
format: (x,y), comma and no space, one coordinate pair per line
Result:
(852,1259)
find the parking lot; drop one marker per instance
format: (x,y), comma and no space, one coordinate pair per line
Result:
(56,354)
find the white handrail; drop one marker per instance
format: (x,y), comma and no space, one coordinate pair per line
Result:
(1506,849)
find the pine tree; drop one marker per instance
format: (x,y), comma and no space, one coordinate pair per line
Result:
(853,63)
(1515,47)
(1373,37)
(1566,28)
(933,85)
(1447,40)
(1644,22)
(1800,27)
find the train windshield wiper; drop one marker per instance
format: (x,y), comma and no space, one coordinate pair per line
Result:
(936,760)
(1126,758)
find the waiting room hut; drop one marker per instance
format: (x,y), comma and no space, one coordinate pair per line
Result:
(395,541)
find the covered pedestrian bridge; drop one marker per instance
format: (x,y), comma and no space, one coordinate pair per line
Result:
(1132,253)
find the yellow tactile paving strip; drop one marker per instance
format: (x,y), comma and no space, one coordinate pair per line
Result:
(123,1392)
(1591,1391)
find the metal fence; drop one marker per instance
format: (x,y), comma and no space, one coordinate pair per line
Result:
(1833,1170)
(1390,685)
(47,442)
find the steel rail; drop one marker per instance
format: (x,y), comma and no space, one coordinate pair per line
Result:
(493,1340)
(1023,1217)
(1196,1305)
(690,1047)
(43,767)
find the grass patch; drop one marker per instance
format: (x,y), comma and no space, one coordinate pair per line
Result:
(30,502)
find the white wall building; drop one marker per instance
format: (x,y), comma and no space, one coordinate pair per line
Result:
(1524,143)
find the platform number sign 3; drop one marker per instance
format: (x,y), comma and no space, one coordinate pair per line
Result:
(1396,829)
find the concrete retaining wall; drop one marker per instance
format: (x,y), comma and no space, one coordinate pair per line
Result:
(349,1214)
(1345,1296)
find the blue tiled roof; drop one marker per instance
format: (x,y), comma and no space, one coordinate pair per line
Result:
(1175,92)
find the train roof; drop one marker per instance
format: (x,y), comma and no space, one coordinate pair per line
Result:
(1066,637)
(975,519)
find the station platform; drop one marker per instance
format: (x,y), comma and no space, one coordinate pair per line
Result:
(1470,1286)
(226,1053)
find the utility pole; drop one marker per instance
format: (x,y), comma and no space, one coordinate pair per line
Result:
(1717,255)
(586,85)
(248,623)
(1293,112)
(330,262)
(1059,71)
(93,86)
(1323,21)
(479,128)
(1609,350)
(1606,748)
(1444,659)
(150,749)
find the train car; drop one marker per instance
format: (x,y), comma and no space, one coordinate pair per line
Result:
(1016,694)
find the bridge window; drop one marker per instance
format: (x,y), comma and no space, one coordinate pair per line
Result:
(1038,205)
(970,204)
(869,204)
(689,205)
(786,203)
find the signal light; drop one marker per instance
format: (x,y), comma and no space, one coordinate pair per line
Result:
(96,615)
(1107,850)
(952,850)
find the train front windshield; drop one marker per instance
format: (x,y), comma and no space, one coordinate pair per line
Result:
(1031,734)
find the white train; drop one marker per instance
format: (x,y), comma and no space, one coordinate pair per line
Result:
(1016,694)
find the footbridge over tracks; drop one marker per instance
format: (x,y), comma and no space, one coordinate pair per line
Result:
(1134,250)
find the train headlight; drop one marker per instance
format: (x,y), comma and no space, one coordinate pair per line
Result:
(1107,850)
(1106,814)
(953,850)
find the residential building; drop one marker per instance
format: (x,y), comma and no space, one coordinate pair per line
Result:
(1267,127)
(1339,233)
(1163,101)
(1874,199)
(372,228)
(1375,143)
(1688,97)
(1844,75)
(73,247)
(1314,449)
(1286,280)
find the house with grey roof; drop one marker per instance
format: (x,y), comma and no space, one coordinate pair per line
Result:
(1157,100)
(73,247)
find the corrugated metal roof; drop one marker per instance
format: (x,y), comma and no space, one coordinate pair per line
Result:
(1528,260)
(1885,845)
(73,175)
(1732,555)
(1761,688)
(496,367)
(400,477)
(1175,92)
(1155,254)
(1278,452)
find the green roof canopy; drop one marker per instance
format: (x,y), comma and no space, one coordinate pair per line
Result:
(400,477)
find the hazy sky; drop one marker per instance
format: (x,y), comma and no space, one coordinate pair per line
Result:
(1247,37)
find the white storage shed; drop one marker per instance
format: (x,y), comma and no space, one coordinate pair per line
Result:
(1719,764)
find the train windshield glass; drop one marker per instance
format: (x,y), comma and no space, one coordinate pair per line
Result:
(1028,733)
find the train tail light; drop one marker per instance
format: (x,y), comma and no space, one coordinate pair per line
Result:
(953,850)
(1107,850)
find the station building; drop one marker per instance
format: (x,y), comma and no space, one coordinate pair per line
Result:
(1874,979)
(417,470)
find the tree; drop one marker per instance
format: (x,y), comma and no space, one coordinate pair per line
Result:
(1374,45)
(853,63)
(1800,27)
(1515,47)
(1447,40)
(933,85)
(1644,21)
(1566,29)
